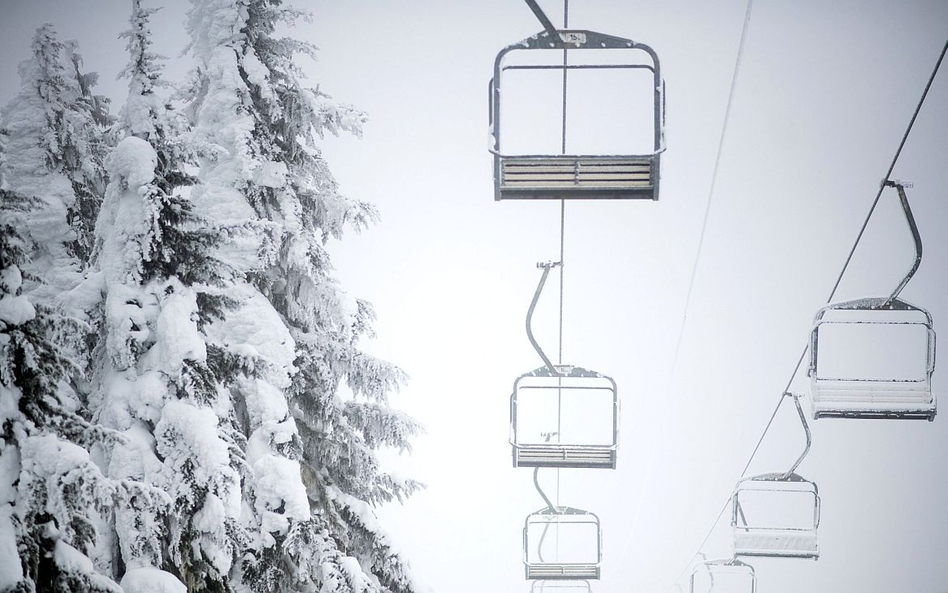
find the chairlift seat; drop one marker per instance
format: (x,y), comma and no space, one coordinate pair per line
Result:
(862,397)
(562,571)
(528,451)
(591,176)
(776,543)
(555,455)
(872,399)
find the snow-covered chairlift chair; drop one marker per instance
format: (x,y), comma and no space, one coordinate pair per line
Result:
(562,543)
(888,394)
(777,514)
(561,415)
(585,438)
(576,176)
(775,539)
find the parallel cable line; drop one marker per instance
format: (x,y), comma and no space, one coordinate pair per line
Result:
(694,268)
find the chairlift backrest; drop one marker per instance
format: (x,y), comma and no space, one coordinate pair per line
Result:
(728,575)
(887,392)
(568,176)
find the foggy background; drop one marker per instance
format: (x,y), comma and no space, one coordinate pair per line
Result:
(824,95)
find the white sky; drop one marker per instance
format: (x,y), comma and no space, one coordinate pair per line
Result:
(825,93)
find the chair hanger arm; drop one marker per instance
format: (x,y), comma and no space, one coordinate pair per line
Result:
(916,236)
(546,266)
(544,20)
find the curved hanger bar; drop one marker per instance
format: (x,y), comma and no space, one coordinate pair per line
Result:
(806,428)
(546,266)
(910,219)
(536,482)
(546,529)
(546,499)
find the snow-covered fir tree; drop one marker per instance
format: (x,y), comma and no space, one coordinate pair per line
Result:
(312,405)
(184,403)
(54,146)
(52,490)
(154,382)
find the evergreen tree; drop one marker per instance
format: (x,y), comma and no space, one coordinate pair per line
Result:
(55,141)
(313,406)
(154,381)
(53,493)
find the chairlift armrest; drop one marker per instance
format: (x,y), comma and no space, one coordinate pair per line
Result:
(931,351)
(490,103)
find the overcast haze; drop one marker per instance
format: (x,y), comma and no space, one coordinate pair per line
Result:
(825,92)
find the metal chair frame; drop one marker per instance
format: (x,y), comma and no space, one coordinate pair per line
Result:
(859,397)
(773,541)
(555,570)
(557,454)
(575,176)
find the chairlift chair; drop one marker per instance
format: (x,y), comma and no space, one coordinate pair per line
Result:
(555,386)
(537,449)
(860,396)
(576,176)
(740,576)
(771,539)
(577,565)
(793,535)
(873,397)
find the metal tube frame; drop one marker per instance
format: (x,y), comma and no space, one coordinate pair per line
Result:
(553,515)
(566,372)
(571,39)
(881,304)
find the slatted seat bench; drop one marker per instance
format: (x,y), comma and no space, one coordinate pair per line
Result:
(578,177)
